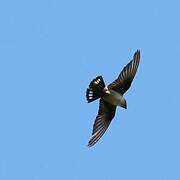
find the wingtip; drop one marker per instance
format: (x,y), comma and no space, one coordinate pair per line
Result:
(137,54)
(138,51)
(88,145)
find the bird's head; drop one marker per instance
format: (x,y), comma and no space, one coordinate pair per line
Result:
(124,104)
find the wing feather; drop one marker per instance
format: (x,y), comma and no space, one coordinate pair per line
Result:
(105,115)
(125,78)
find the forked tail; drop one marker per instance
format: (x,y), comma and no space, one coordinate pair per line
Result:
(95,89)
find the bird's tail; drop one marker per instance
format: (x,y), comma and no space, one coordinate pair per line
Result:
(95,89)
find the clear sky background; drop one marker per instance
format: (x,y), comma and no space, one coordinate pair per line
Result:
(49,52)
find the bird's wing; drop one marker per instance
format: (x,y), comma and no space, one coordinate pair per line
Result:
(105,115)
(125,78)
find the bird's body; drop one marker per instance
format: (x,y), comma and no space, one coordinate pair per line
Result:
(114,98)
(110,97)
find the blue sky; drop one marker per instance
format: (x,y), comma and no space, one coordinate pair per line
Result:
(50,51)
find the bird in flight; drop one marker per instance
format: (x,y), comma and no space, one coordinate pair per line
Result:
(110,96)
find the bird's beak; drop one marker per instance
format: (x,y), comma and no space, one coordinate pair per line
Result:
(125,105)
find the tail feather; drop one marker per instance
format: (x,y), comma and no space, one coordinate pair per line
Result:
(90,95)
(95,89)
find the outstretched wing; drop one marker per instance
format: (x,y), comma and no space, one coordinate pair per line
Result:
(105,115)
(125,78)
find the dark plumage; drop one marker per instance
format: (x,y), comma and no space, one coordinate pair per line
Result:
(110,97)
